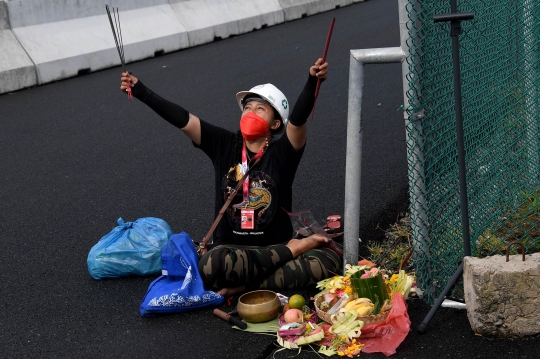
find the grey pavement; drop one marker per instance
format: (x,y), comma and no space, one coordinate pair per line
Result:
(77,154)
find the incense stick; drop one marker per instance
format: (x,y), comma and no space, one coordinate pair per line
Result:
(114,35)
(119,32)
(114,20)
(323,61)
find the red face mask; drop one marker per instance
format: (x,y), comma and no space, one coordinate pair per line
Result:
(253,126)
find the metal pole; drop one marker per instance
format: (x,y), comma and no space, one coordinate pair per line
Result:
(353,163)
(415,142)
(422,327)
(531,95)
(455,18)
(456,30)
(354,142)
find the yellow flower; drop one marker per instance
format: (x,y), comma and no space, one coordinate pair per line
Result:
(392,279)
(353,349)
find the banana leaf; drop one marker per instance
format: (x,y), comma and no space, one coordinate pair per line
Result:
(267,327)
(373,288)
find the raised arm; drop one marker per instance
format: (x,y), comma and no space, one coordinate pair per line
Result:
(173,113)
(297,127)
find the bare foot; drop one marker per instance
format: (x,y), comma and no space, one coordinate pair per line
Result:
(227,292)
(299,246)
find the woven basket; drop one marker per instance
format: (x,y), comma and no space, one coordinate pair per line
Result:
(370,319)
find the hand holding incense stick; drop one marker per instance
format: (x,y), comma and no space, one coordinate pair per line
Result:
(117,34)
(323,61)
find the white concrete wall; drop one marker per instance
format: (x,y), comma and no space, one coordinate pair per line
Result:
(295,9)
(16,69)
(4,18)
(36,12)
(46,40)
(205,20)
(60,49)
(66,36)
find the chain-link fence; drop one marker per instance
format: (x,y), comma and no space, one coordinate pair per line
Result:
(499,51)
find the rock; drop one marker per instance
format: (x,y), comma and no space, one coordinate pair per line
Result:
(503,297)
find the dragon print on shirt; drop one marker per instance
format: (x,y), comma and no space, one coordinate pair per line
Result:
(261,198)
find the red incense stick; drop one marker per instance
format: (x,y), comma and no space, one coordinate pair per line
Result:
(323,61)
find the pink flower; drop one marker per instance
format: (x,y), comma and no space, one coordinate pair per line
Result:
(370,273)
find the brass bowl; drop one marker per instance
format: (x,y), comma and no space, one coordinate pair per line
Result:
(258,306)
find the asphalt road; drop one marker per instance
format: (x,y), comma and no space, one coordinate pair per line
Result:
(77,154)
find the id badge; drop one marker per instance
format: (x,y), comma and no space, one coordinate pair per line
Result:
(248,218)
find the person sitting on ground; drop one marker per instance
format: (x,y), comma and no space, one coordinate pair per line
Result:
(252,245)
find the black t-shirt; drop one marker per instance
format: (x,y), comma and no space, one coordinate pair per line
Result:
(270,194)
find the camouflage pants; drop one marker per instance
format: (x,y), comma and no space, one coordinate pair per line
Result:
(271,267)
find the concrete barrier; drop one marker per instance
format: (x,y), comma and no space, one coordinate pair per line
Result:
(295,9)
(4,19)
(206,20)
(61,46)
(44,40)
(16,68)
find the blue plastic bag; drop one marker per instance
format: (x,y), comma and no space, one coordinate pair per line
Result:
(132,248)
(180,288)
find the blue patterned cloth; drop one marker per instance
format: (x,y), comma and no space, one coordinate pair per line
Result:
(180,287)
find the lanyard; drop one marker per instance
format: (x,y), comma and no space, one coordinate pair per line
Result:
(245,167)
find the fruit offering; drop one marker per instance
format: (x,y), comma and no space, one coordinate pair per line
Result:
(363,306)
(293,316)
(297,301)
